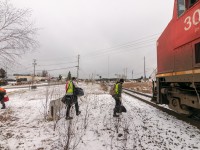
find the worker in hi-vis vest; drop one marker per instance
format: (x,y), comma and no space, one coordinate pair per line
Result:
(117,96)
(2,94)
(71,97)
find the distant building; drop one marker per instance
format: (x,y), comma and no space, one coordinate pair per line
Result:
(28,77)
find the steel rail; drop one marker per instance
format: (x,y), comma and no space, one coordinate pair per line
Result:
(138,93)
(168,111)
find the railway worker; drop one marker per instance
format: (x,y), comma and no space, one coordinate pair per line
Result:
(71,97)
(117,96)
(2,94)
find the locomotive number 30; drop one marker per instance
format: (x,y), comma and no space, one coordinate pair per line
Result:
(192,20)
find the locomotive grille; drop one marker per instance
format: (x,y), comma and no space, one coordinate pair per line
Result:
(197,53)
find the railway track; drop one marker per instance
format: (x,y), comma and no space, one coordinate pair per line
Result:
(193,120)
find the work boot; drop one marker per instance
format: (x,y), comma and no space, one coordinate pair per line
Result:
(3,107)
(114,115)
(78,113)
(69,118)
(118,114)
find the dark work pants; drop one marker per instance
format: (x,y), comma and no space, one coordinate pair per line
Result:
(74,99)
(117,108)
(2,101)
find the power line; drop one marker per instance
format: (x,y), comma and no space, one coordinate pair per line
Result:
(58,64)
(136,44)
(58,59)
(125,45)
(119,51)
(120,47)
(58,69)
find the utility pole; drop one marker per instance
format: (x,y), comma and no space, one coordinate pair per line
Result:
(108,67)
(78,67)
(132,74)
(34,64)
(126,73)
(124,70)
(144,70)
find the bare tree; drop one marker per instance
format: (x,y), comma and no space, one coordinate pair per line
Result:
(17,34)
(2,73)
(44,73)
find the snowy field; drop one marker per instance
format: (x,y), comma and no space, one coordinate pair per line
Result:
(23,125)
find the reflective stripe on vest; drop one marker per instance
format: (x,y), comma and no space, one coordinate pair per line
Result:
(70,87)
(117,88)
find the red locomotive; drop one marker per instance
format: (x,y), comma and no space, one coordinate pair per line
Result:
(178,59)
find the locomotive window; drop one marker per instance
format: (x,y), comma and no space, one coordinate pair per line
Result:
(197,53)
(181,7)
(192,2)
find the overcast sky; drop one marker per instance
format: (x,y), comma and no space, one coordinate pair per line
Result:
(109,35)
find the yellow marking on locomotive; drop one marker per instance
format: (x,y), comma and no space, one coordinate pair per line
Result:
(194,71)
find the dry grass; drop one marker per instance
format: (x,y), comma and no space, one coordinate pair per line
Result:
(104,87)
(6,116)
(145,87)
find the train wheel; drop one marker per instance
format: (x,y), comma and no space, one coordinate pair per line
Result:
(174,104)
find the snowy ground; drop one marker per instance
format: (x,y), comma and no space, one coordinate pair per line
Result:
(23,127)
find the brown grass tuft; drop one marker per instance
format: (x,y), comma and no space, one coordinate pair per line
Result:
(104,87)
(145,87)
(6,116)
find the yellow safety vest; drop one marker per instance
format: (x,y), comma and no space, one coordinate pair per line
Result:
(117,88)
(70,88)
